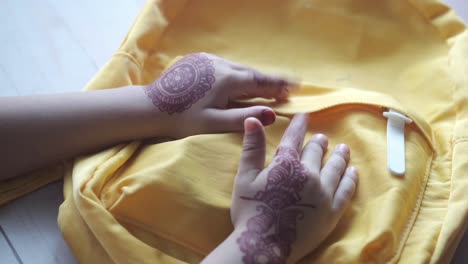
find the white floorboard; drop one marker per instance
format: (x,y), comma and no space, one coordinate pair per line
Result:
(30,223)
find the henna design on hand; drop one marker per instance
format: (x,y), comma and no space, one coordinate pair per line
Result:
(183,84)
(271,233)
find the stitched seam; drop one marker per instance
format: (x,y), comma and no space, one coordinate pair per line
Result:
(366,103)
(421,198)
(452,154)
(452,142)
(409,226)
(448,198)
(452,145)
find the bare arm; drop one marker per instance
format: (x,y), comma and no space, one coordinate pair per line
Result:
(38,130)
(190,98)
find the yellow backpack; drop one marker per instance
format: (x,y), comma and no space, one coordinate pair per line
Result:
(389,78)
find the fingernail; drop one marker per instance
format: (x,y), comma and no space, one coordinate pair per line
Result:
(321,139)
(268,117)
(250,124)
(353,170)
(342,148)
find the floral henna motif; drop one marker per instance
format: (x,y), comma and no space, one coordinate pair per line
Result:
(183,84)
(270,234)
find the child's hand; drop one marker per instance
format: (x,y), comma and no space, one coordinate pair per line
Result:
(282,212)
(195,92)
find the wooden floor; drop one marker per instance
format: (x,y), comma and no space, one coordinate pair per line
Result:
(53,46)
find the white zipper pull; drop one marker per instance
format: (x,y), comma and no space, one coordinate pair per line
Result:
(396,141)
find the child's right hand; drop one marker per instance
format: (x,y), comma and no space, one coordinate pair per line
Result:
(196,91)
(282,212)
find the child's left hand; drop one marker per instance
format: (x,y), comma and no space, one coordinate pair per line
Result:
(282,212)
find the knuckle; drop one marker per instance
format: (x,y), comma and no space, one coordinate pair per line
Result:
(314,148)
(343,197)
(312,173)
(312,185)
(253,173)
(340,202)
(244,178)
(250,79)
(347,192)
(227,79)
(326,195)
(261,80)
(327,199)
(250,146)
(243,116)
(286,152)
(338,164)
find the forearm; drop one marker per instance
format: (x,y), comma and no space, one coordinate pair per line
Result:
(38,130)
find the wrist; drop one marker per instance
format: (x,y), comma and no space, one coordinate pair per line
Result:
(235,249)
(134,116)
(262,246)
(168,124)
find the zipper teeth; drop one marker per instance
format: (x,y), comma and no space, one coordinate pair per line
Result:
(373,108)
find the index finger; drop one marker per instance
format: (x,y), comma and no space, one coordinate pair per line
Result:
(259,79)
(253,83)
(293,137)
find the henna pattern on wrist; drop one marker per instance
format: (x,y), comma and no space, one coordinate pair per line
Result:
(183,84)
(271,233)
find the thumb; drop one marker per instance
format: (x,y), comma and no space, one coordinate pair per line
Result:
(253,150)
(232,120)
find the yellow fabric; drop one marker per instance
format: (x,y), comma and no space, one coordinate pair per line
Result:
(13,188)
(144,202)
